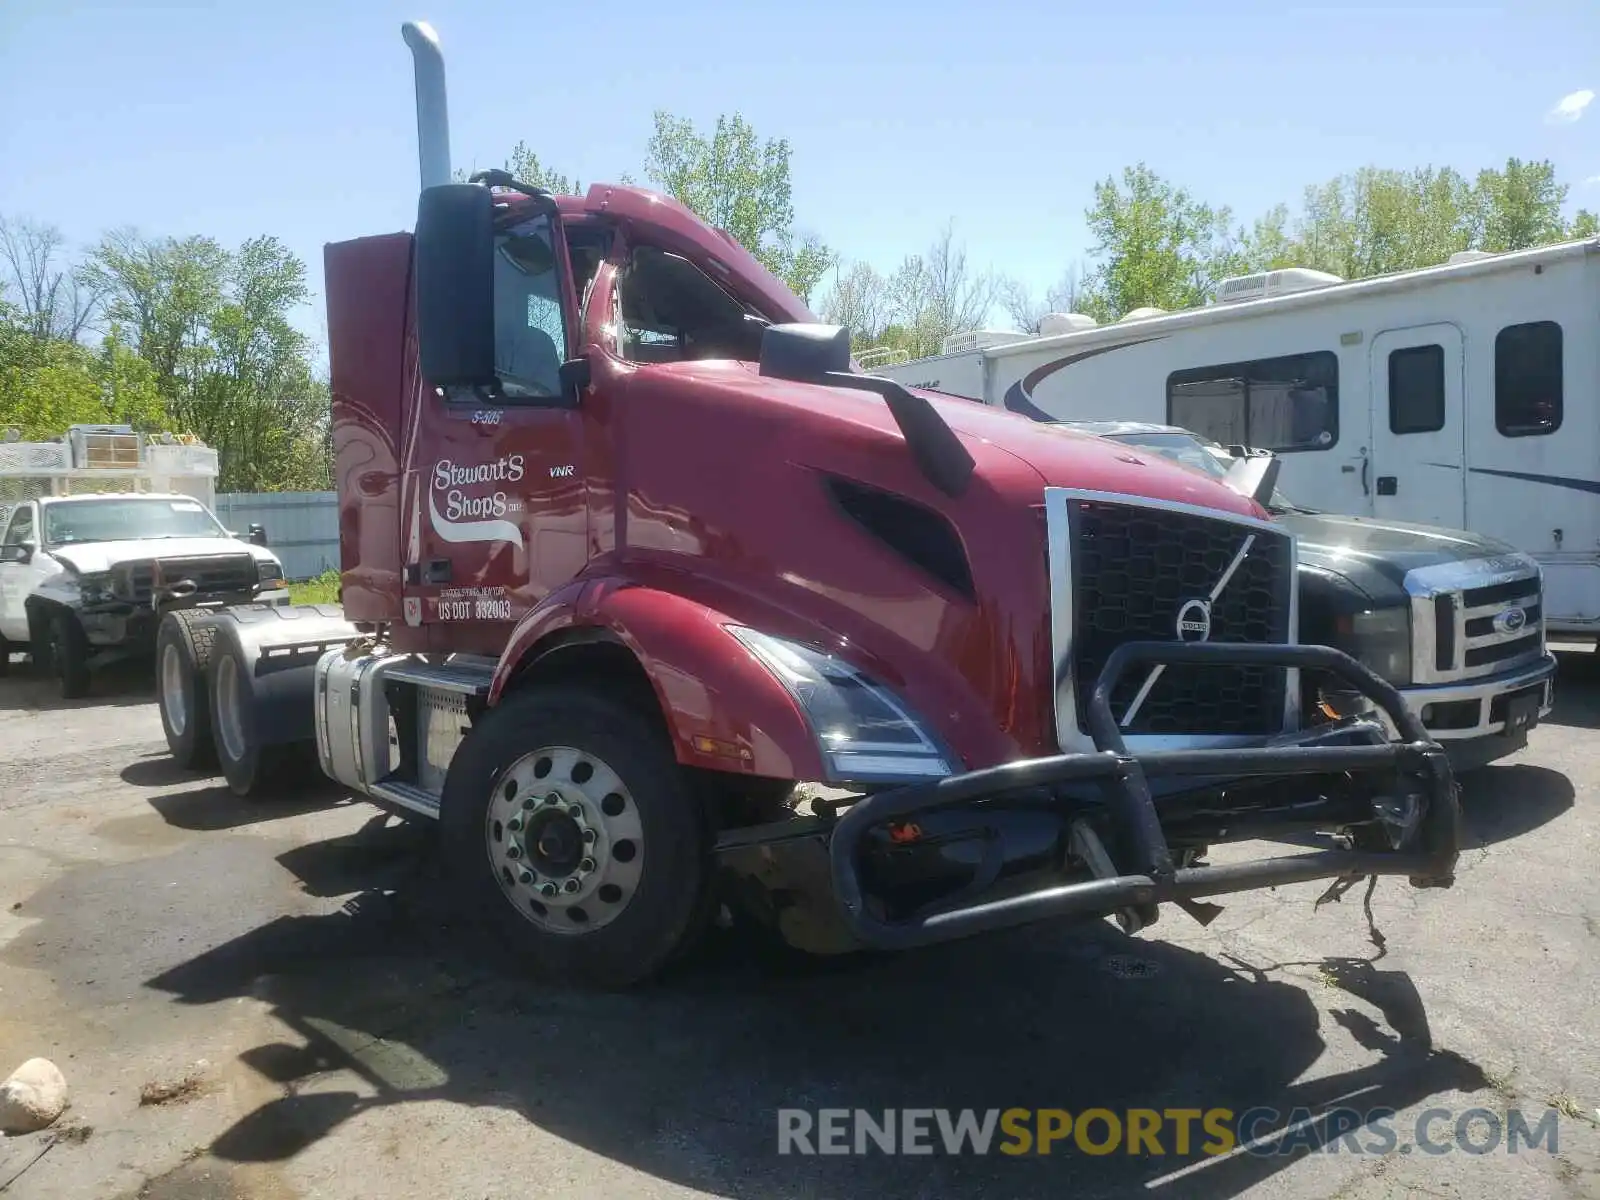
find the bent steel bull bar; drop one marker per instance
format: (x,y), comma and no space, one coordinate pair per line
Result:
(1427,854)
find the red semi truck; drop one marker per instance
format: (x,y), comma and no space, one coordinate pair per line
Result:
(630,548)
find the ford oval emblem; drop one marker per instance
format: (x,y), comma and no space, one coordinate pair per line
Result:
(1194,621)
(1511,620)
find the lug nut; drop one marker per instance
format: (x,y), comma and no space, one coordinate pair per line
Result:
(586,865)
(514,825)
(588,837)
(570,886)
(552,798)
(513,852)
(548,889)
(526,876)
(575,812)
(529,802)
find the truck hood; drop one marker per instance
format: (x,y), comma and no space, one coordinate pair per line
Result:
(1376,555)
(1012,452)
(88,558)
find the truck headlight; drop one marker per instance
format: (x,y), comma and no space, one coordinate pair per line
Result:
(95,587)
(266,571)
(865,732)
(1379,639)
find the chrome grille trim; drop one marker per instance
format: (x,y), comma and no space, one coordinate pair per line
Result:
(1444,593)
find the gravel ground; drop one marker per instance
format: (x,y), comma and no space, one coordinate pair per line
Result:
(267,1000)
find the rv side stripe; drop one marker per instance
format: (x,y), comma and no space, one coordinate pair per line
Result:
(1577,485)
(1019,396)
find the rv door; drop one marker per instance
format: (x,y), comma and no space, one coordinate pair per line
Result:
(1417,470)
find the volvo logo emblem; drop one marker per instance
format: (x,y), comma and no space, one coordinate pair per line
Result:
(1511,620)
(1194,621)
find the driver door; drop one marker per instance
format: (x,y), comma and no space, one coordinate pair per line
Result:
(17,578)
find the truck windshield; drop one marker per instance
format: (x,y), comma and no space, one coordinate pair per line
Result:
(120,518)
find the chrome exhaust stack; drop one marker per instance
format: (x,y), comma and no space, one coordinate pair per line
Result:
(433,109)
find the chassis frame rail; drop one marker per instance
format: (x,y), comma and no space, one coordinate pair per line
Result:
(1427,855)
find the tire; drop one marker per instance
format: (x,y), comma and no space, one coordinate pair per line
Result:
(246,764)
(68,653)
(643,898)
(183,661)
(5,657)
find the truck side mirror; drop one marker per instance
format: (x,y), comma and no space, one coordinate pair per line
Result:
(258,534)
(16,552)
(806,353)
(455,285)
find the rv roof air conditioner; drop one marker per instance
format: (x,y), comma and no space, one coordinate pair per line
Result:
(1141,314)
(1053,323)
(1263,284)
(977,339)
(1466,256)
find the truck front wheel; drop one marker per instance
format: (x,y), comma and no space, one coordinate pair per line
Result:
(569,826)
(68,653)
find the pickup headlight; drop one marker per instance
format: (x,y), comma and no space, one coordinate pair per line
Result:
(1380,639)
(95,587)
(266,571)
(865,733)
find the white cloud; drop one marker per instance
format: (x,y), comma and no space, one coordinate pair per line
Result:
(1593,181)
(1570,107)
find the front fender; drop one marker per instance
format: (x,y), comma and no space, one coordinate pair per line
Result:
(724,709)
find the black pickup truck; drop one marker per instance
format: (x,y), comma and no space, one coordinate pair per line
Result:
(1453,619)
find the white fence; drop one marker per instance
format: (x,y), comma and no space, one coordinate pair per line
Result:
(302,527)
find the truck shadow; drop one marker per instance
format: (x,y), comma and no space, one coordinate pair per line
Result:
(684,1080)
(1505,801)
(214,807)
(1577,691)
(27,689)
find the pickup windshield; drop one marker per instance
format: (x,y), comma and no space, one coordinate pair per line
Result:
(1211,460)
(120,518)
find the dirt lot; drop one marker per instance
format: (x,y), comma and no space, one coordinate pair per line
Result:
(267,1000)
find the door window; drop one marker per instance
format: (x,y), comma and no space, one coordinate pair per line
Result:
(669,310)
(530,333)
(1527,379)
(1279,404)
(21,528)
(1416,389)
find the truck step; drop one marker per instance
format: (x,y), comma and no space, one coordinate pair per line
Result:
(471,678)
(408,795)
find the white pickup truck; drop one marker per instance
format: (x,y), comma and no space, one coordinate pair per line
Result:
(87,574)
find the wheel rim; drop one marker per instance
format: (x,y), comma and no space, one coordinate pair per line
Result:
(174,692)
(564,839)
(230,709)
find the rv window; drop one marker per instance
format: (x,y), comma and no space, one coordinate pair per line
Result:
(1416,389)
(1527,379)
(1279,404)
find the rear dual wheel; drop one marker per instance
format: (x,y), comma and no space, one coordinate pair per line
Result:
(183,661)
(571,830)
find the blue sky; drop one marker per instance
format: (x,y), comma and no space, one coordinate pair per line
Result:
(233,119)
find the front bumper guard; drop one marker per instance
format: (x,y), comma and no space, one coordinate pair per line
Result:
(1147,875)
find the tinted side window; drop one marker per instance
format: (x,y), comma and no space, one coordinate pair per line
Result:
(21,529)
(669,310)
(529,335)
(1279,404)
(1416,389)
(1527,379)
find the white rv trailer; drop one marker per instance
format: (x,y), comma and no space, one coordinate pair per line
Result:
(1465,395)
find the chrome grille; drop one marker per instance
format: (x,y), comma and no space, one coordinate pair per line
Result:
(1475,619)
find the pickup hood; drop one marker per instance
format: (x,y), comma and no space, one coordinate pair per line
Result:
(88,558)
(1375,555)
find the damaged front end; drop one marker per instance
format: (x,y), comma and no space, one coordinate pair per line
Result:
(120,608)
(1171,745)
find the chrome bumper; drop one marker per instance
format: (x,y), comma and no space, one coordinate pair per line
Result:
(1459,711)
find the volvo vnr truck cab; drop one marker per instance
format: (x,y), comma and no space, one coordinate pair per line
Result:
(630,548)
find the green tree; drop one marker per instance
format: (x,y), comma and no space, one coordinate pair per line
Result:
(1156,245)
(1519,207)
(47,384)
(740,184)
(526,166)
(225,357)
